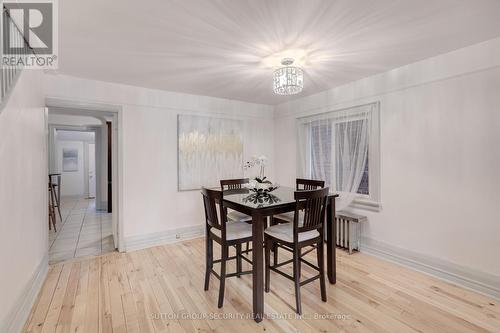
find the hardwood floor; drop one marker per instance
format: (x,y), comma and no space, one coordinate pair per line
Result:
(161,289)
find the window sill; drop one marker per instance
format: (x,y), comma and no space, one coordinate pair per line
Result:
(366,204)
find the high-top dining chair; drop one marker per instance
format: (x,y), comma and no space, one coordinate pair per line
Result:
(300,185)
(226,233)
(304,231)
(235,184)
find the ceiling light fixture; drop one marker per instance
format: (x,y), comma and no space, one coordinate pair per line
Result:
(288,80)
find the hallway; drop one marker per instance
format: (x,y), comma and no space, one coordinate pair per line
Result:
(84,232)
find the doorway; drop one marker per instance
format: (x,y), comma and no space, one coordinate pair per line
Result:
(75,160)
(80,154)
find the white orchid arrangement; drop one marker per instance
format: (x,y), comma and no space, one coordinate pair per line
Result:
(259,184)
(260,161)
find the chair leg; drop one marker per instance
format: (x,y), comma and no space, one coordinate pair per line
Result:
(59,211)
(274,246)
(321,264)
(209,260)
(54,220)
(222,275)
(58,204)
(52,210)
(300,262)
(269,244)
(275,253)
(238,260)
(296,279)
(52,199)
(272,221)
(50,218)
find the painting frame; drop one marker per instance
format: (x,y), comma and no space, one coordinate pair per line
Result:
(70,160)
(204,140)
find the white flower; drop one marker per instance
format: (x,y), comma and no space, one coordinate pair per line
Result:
(262,160)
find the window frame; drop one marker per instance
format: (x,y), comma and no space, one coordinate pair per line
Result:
(371,201)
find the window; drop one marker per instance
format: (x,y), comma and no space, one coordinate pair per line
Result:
(365,180)
(342,148)
(321,152)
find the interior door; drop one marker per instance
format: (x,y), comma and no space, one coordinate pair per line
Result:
(110,167)
(91,168)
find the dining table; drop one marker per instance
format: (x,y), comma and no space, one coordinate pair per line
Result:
(260,207)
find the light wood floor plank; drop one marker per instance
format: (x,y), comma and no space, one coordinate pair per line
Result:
(36,320)
(105,316)
(56,304)
(130,311)
(135,274)
(78,320)
(117,288)
(91,323)
(68,306)
(161,290)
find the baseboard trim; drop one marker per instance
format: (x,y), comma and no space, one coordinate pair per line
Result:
(484,283)
(166,237)
(17,317)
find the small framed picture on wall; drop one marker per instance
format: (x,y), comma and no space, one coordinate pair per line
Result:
(70,160)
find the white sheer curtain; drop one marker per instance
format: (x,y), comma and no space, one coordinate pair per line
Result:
(334,147)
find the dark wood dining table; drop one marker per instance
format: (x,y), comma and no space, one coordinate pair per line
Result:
(279,201)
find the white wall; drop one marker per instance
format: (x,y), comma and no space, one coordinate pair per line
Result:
(23,200)
(440,162)
(151,202)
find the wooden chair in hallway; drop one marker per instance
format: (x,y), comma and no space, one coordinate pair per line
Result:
(307,229)
(57,191)
(51,207)
(227,234)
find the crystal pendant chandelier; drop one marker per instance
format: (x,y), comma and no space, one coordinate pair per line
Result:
(288,80)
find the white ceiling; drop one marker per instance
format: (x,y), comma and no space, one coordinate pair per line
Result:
(228,48)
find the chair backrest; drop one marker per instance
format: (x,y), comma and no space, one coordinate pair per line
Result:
(233,184)
(212,198)
(308,184)
(313,202)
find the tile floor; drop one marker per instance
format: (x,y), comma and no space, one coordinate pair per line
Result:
(83,232)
